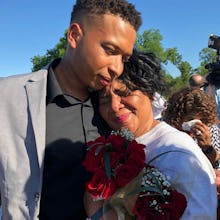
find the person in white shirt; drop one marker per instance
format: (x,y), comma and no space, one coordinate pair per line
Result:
(127,103)
(158,105)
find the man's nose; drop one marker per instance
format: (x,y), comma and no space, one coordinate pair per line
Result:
(117,66)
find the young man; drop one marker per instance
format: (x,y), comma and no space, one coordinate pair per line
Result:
(48,115)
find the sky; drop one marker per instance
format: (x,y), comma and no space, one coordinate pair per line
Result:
(29,28)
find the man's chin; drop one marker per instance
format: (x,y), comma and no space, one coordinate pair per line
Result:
(95,88)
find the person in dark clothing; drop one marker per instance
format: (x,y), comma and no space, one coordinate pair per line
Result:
(48,115)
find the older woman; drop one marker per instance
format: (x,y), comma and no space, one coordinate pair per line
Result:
(127,103)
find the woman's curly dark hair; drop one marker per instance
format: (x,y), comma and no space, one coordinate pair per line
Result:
(143,72)
(121,8)
(193,102)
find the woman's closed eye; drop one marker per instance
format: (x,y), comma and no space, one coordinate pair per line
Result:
(104,100)
(122,93)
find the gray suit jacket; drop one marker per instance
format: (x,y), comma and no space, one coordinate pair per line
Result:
(22,143)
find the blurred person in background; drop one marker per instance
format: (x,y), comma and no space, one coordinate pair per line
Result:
(188,104)
(213,88)
(158,105)
(197,81)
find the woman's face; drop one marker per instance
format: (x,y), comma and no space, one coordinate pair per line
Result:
(122,108)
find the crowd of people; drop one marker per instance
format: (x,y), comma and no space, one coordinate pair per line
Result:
(102,84)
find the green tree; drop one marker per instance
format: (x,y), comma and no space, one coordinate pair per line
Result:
(207,55)
(172,55)
(170,84)
(150,41)
(185,70)
(58,51)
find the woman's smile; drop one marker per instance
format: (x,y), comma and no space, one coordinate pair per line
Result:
(123,117)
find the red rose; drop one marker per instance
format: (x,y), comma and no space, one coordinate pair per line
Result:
(114,159)
(132,165)
(95,154)
(100,185)
(136,161)
(175,206)
(136,150)
(92,161)
(126,172)
(100,139)
(117,142)
(172,209)
(143,211)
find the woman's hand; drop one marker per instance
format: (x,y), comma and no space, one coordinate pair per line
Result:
(91,207)
(201,132)
(217,182)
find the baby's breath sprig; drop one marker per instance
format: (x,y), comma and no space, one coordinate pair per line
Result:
(128,135)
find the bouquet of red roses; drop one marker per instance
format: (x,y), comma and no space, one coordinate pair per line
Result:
(122,180)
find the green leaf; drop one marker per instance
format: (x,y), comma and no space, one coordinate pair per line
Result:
(147,189)
(152,189)
(107,164)
(156,181)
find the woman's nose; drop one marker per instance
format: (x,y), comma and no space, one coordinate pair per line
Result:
(116,104)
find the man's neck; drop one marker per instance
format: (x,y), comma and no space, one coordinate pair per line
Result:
(69,84)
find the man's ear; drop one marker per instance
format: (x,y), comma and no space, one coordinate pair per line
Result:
(74,34)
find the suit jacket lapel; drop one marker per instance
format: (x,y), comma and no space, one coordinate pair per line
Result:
(36,93)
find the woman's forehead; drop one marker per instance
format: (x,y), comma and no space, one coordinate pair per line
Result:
(111,87)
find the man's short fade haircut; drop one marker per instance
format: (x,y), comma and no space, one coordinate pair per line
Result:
(121,8)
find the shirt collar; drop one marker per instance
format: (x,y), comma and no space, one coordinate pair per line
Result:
(54,89)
